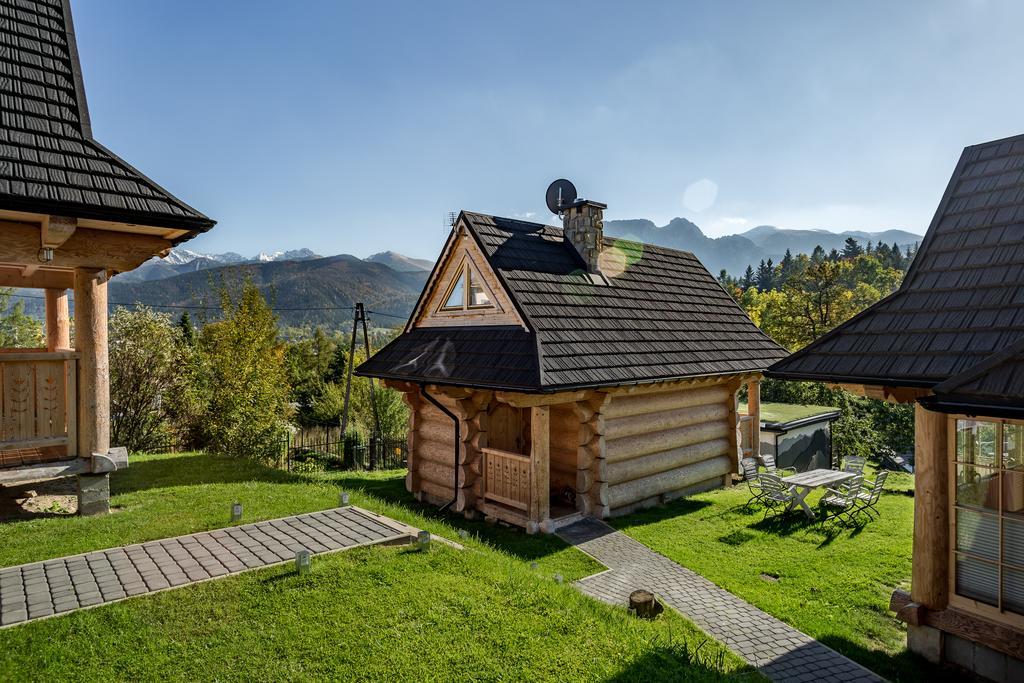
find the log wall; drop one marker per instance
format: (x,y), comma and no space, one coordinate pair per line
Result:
(661,444)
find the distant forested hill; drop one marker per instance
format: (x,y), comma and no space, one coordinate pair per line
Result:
(323,283)
(735,252)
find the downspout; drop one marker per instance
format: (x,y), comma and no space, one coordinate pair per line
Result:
(458,442)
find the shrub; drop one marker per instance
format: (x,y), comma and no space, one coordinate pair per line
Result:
(248,407)
(145,360)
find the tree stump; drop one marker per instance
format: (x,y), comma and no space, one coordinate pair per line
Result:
(644,605)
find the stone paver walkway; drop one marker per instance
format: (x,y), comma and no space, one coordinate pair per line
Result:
(776,649)
(43,589)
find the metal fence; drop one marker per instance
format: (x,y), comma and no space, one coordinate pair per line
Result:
(326,448)
(323,448)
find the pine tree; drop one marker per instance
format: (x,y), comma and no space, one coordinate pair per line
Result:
(765,275)
(188,330)
(748,278)
(851,248)
(818,255)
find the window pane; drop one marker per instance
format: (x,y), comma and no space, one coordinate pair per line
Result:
(1013,447)
(477,294)
(1013,492)
(977,534)
(976,579)
(1013,590)
(976,442)
(456,299)
(977,487)
(1013,541)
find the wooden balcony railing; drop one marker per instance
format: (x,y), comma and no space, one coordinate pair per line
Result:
(38,401)
(507,478)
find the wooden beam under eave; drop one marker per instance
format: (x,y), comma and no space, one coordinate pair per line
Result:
(518,400)
(888,394)
(56,230)
(86,248)
(14,276)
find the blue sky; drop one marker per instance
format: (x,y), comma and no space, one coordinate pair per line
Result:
(355,127)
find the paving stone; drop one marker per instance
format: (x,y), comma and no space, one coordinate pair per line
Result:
(65,584)
(779,651)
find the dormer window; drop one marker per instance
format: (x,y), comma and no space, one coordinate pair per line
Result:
(467,291)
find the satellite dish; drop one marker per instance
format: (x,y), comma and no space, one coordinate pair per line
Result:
(560,195)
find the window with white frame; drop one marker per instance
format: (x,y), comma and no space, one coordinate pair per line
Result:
(467,291)
(988,513)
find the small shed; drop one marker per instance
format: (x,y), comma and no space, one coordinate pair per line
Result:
(951,341)
(798,436)
(552,373)
(72,214)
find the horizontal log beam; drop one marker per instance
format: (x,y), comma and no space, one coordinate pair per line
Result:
(664,461)
(617,450)
(649,422)
(999,637)
(15,276)
(40,472)
(664,482)
(86,248)
(639,404)
(532,400)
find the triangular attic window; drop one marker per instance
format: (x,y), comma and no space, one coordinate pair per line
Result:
(468,291)
(477,294)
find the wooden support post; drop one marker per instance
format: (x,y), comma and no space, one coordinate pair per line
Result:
(58,323)
(540,467)
(754,410)
(930,579)
(93,374)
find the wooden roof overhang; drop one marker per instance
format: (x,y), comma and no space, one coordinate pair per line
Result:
(959,303)
(61,189)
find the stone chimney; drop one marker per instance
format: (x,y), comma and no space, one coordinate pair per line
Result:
(583,226)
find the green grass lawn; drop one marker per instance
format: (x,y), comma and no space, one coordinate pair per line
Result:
(831,583)
(787,412)
(369,614)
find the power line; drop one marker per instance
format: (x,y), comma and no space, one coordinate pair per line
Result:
(216,308)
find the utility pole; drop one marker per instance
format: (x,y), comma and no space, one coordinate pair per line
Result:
(360,319)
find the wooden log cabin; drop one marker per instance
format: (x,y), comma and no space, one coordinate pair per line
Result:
(553,373)
(951,341)
(72,214)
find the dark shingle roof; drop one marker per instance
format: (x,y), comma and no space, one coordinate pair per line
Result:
(49,162)
(663,317)
(962,299)
(466,356)
(995,383)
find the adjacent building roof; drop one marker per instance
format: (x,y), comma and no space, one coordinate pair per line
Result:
(994,387)
(49,162)
(664,316)
(962,299)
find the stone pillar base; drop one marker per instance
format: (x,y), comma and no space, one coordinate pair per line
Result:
(925,641)
(93,494)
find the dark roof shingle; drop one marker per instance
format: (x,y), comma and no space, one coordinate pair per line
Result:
(464,356)
(49,162)
(662,317)
(962,299)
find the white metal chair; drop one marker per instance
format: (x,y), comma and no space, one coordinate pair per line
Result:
(776,493)
(870,493)
(841,502)
(854,463)
(753,479)
(769,464)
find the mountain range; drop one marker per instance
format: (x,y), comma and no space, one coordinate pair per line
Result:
(735,252)
(309,289)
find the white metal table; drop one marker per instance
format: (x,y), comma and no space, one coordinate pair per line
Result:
(803,483)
